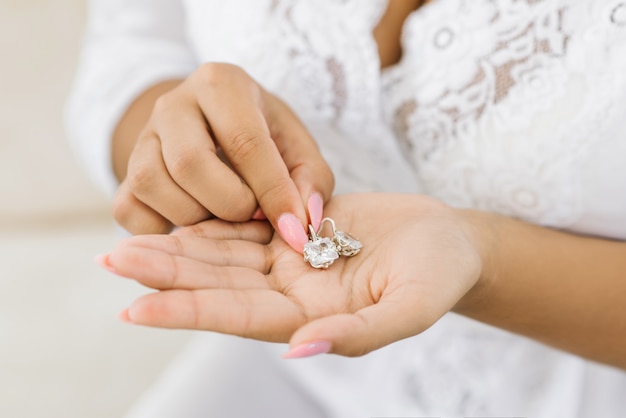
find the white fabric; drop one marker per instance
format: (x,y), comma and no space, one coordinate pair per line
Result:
(129,46)
(511,106)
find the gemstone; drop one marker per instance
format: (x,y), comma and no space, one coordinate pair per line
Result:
(346,244)
(320,253)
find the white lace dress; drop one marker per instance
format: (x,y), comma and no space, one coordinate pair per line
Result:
(511,106)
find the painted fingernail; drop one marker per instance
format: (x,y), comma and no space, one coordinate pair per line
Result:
(308,350)
(316,208)
(103,261)
(259,215)
(292,231)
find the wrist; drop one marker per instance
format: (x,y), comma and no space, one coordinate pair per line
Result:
(132,123)
(484,229)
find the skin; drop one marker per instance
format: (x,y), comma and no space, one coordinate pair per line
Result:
(244,280)
(165,149)
(175,173)
(421,258)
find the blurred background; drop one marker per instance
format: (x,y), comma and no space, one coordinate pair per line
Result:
(63,353)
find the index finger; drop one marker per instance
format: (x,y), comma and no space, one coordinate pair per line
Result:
(233,108)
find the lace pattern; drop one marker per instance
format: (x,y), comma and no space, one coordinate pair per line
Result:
(491,101)
(495,103)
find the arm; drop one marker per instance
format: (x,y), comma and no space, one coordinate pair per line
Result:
(145,111)
(132,123)
(420,260)
(217,145)
(562,289)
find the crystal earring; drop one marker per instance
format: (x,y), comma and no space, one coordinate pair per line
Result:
(320,252)
(346,244)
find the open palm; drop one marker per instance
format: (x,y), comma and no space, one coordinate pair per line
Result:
(419,259)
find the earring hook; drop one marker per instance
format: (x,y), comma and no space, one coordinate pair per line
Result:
(330,221)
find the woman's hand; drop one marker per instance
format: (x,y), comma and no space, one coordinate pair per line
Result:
(218,145)
(419,259)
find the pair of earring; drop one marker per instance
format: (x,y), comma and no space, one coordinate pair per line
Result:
(321,252)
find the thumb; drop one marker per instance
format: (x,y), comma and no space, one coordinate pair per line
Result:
(359,333)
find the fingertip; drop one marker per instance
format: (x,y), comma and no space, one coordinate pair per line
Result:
(124,316)
(136,311)
(104,261)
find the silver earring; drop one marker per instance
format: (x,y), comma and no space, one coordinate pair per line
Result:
(346,244)
(320,252)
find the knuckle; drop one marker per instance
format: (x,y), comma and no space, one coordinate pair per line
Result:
(122,209)
(274,192)
(212,73)
(235,210)
(322,174)
(243,144)
(141,177)
(128,213)
(190,216)
(182,164)
(216,75)
(149,225)
(165,103)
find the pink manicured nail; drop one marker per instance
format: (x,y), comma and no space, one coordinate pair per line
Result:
(308,350)
(316,208)
(259,215)
(103,261)
(292,231)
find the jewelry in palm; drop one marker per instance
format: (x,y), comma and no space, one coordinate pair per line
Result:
(321,252)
